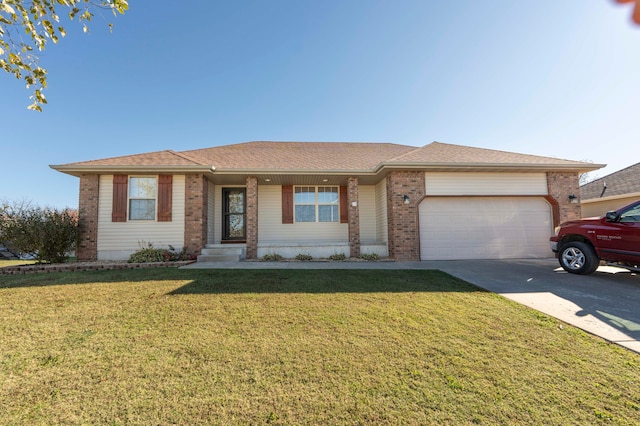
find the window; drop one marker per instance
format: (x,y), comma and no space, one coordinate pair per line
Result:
(316,204)
(142,198)
(631,215)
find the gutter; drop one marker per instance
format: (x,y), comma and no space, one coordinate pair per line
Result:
(587,167)
(76,170)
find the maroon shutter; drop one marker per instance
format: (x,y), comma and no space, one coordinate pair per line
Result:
(164,197)
(287,203)
(119,207)
(344,209)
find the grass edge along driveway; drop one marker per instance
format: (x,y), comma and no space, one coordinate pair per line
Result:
(168,346)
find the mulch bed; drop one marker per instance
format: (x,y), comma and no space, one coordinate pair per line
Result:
(86,266)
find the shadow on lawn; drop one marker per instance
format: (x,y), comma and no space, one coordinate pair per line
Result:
(230,281)
(325,281)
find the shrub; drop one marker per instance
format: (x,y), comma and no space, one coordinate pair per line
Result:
(303,257)
(47,234)
(271,257)
(370,256)
(151,254)
(338,256)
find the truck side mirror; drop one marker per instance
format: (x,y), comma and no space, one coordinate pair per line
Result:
(611,217)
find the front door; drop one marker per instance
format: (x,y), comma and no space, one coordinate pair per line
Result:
(233,214)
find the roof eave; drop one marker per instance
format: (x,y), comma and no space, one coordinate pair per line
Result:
(581,168)
(634,195)
(77,170)
(296,171)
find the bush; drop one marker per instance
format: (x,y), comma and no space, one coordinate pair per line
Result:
(47,234)
(151,254)
(338,256)
(303,257)
(271,257)
(370,256)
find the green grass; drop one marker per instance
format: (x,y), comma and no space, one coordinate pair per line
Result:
(168,346)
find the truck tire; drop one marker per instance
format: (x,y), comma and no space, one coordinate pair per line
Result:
(577,257)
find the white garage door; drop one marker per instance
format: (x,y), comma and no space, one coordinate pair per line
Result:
(485,228)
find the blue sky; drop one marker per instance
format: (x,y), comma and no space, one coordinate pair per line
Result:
(552,78)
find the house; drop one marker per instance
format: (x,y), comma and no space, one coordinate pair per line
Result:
(439,201)
(611,192)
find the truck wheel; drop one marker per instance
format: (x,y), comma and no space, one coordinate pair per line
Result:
(577,257)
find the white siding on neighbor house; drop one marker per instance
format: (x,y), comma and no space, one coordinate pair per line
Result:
(272,230)
(367,213)
(382,232)
(478,183)
(211,210)
(117,240)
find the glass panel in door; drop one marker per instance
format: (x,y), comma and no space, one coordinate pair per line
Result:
(234,205)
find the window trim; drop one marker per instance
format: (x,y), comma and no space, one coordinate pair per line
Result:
(155,199)
(336,189)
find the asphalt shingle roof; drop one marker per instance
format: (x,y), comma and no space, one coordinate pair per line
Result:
(299,155)
(327,156)
(625,181)
(443,153)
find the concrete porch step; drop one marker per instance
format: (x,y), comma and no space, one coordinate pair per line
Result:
(223,253)
(218,258)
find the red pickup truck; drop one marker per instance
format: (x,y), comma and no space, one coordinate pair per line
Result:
(614,238)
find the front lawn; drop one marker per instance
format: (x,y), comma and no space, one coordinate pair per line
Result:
(168,346)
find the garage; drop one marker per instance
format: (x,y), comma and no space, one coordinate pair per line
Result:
(479,227)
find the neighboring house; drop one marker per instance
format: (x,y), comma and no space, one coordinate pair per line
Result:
(611,192)
(439,201)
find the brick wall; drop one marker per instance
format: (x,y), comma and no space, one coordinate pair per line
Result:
(560,185)
(195,212)
(87,248)
(252,217)
(354,217)
(403,226)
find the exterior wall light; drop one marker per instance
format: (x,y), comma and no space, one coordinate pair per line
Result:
(573,199)
(406,199)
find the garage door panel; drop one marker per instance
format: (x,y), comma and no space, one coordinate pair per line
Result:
(484,228)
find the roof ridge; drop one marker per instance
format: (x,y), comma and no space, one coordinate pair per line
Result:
(187,157)
(410,152)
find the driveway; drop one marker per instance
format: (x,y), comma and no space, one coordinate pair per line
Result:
(606,303)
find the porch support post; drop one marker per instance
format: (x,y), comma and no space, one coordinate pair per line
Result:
(252,217)
(354,217)
(195,212)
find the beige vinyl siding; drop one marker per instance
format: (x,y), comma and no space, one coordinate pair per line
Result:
(272,230)
(600,207)
(367,213)
(117,240)
(381,211)
(477,183)
(211,209)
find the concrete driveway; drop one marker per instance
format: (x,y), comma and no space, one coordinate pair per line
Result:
(606,303)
